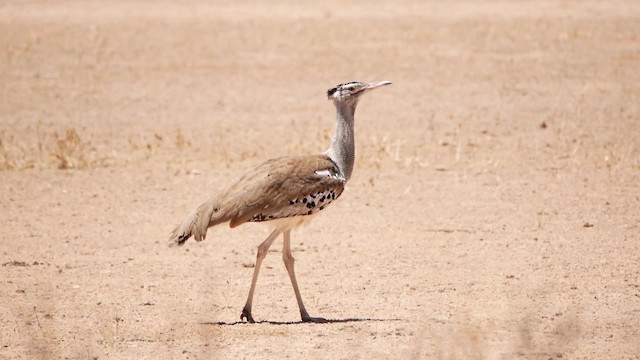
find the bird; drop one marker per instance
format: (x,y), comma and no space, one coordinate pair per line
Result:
(285,192)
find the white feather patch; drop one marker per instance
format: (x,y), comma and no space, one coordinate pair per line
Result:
(329,173)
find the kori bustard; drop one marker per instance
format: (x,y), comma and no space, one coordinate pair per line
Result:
(285,192)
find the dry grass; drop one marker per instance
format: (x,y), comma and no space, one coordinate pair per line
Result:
(69,148)
(58,149)
(505,153)
(70,152)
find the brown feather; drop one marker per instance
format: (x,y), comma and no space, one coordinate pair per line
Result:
(269,187)
(265,190)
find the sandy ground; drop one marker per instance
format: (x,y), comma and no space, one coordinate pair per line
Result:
(494,210)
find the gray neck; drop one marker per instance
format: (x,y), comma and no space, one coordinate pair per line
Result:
(342,150)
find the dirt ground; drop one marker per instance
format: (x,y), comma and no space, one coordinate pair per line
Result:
(494,210)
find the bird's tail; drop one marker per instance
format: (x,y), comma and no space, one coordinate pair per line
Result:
(197,223)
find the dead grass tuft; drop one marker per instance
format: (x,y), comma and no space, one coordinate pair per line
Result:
(70,152)
(181,142)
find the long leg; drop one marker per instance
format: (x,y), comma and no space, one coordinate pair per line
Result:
(262,252)
(288,263)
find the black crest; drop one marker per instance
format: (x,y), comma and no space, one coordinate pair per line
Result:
(338,87)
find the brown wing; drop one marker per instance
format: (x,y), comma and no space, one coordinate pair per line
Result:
(283,187)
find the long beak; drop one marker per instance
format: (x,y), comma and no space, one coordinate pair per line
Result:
(374,85)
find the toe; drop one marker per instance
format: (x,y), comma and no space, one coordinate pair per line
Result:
(246,315)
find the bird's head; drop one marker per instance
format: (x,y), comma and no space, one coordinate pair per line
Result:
(351,91)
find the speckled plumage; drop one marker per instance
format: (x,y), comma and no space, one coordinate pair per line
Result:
(269,189)
(304,206)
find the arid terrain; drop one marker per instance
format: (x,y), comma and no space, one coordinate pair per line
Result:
(494,210)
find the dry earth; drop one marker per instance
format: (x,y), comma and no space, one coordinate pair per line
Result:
(494,210)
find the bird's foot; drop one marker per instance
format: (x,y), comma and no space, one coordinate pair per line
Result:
(318,320)
(246,315)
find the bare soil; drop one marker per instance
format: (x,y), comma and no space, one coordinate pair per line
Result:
(494,210)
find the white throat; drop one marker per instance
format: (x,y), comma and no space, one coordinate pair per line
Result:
(342,150)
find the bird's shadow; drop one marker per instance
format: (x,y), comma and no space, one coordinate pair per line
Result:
(327,321)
